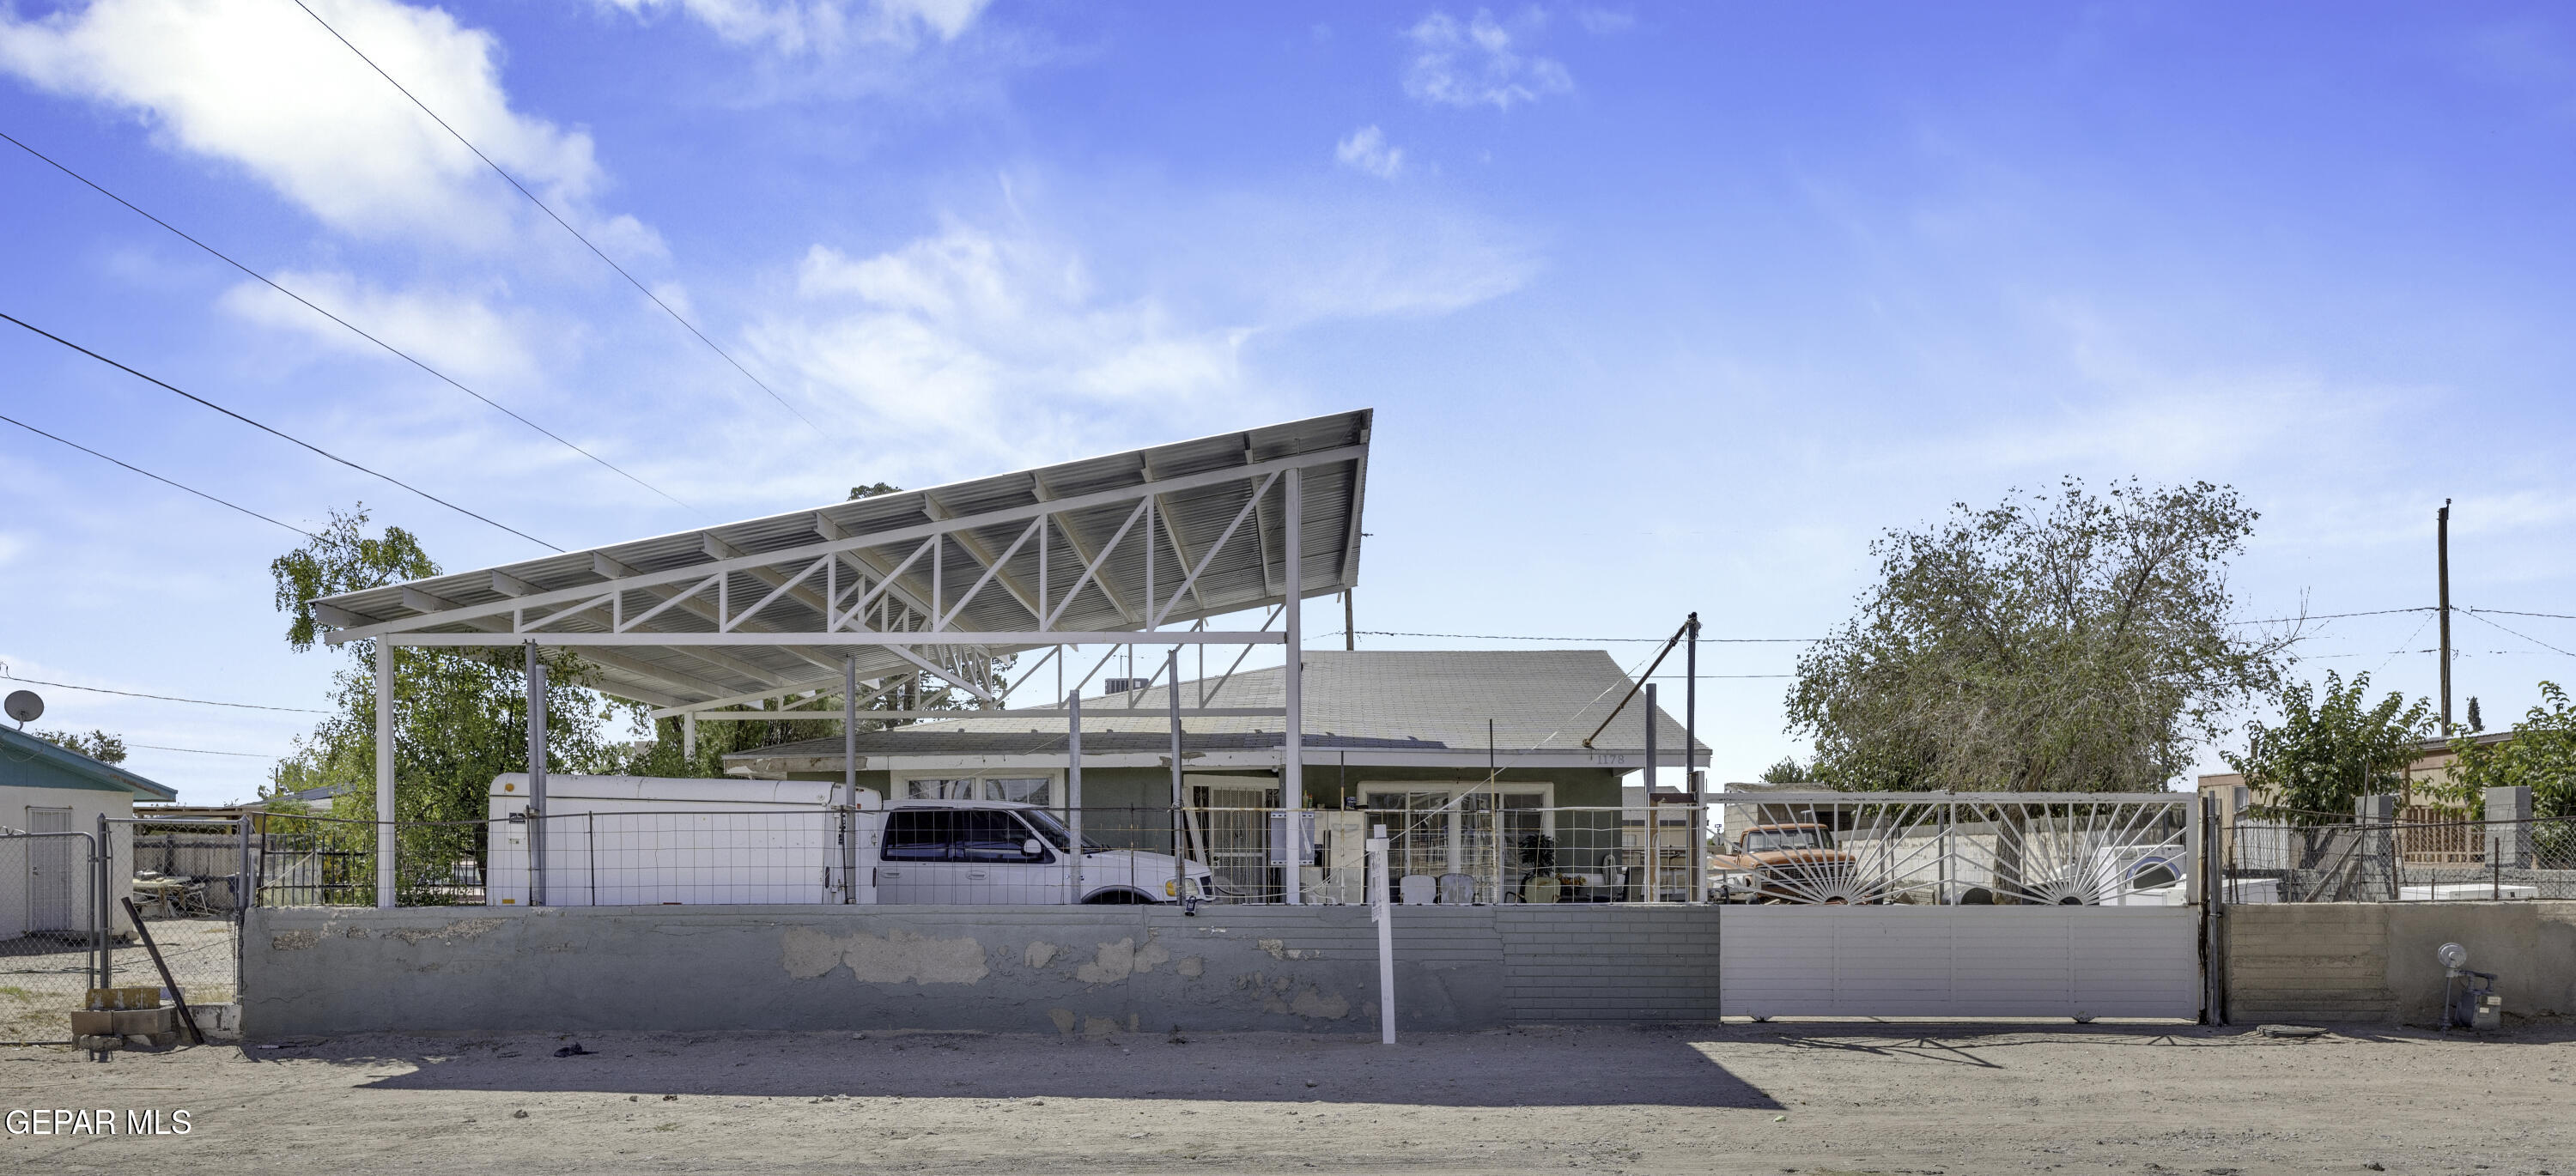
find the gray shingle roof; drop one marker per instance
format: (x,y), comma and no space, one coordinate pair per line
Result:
(1539,700)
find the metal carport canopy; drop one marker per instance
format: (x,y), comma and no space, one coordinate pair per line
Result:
(1140,546)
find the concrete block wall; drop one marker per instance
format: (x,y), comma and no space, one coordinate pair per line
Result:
(2374,962)
(1074,970)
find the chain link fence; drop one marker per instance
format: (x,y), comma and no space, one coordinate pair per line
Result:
(2339,857)
(49,932)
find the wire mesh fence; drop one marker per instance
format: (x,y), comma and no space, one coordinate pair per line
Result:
(188,883)
(2339,857)
(1445,848)
(49,932)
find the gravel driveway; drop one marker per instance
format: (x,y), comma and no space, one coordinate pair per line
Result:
(1781,1097)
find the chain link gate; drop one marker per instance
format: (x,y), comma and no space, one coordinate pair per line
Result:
(50,940)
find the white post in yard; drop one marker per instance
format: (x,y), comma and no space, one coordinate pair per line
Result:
(849,779)
(1073,789)
(1292,774)
(1381,913)
(384,774)
(689,736)
(1180,867)
(536,778)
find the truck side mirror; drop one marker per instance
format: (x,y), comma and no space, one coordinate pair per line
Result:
(1033,848)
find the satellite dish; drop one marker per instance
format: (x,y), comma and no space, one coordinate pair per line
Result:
(25,706)
(2451,955)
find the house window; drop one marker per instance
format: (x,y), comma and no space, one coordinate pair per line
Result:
(1036,790)
(939,789)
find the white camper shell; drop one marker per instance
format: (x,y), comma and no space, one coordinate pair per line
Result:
(655,841)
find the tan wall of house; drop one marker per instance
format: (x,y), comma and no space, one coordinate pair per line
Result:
(2374,961)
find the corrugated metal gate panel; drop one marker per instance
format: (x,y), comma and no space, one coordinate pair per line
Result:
(1909,961)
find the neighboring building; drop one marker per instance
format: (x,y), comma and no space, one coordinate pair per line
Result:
(1430,743)
(2426,775)
(47,789)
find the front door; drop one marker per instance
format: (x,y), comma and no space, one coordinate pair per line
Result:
(1232,827)
(50,870)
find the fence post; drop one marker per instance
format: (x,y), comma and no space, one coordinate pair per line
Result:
(1381,913)
(102,866)
(2509,827)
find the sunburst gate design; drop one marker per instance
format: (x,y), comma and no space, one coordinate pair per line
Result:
(1959,850)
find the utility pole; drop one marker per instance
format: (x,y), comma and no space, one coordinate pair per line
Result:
(1350,636)
(2442,567)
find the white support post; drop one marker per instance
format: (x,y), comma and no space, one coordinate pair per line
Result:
(537,839)
(689,736)
(1381,913)
(1073,789)
(384,775)
(849,780)
(1292,770)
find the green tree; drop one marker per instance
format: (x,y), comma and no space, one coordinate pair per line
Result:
(460,715)
(2541,756)
(1788,771)
(872,490)
(2065,642)
(2331,748)
(97,744)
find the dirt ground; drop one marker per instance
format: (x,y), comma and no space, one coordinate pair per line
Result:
(1774,1098)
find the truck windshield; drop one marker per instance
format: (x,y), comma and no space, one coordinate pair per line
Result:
(1055,832)
(1766,840)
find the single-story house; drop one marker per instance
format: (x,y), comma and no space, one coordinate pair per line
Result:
(48,789)
(1445,748)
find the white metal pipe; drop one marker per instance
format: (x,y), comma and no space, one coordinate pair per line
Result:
(1073,789)
(849,780)
(1381,912)
(536,777)
(1292,772)
(384,776)
(895,640)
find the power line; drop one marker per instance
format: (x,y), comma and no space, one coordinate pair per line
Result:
(273,432)
(203,751)
(163,697)
(2525,636)
(158,478)
(353,328)
(2506,612)
(567,225)
(1514,637)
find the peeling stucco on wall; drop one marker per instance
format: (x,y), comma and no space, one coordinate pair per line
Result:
(1191,966)
(456,930)
(297,940)
(1315,1002)
(1115,962)
(900,957)
(1040,954)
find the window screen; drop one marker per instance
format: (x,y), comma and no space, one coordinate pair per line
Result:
(992,835)
(1037,790)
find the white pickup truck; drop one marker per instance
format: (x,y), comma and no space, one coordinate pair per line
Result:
(642,841)
(998,852)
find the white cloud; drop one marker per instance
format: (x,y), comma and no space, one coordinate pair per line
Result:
(992,347)
(1603,22)
(989,342)
(1365,150)
(258,84)
(1476,63)
(822,27)
(457,333)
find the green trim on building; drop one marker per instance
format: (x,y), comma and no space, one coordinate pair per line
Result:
(29,762)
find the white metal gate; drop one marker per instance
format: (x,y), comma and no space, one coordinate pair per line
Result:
(1933,905)
(1959,961)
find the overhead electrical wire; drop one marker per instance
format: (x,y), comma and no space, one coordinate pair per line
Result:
(2506,612)
(353,328)
(158,478)
(301,710)
(276,433)
(205,751)
(558,219)
(2525,636)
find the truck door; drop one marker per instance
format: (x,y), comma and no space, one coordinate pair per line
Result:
(992,847)
(913,863)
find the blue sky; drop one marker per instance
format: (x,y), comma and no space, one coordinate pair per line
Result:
(1661,307)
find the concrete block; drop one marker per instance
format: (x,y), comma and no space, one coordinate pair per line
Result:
(100,1041)
(144,1022)
(93,1022)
